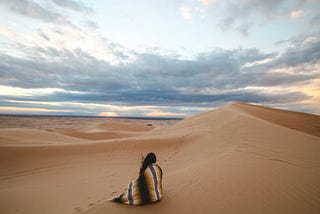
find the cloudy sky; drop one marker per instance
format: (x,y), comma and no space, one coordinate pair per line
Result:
(169,58)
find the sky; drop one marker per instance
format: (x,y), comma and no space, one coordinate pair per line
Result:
(157,58)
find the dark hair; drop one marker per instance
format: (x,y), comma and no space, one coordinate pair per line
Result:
(149,159)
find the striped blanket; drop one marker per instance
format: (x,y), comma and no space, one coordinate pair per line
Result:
(146,189)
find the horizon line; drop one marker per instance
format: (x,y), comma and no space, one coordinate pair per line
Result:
(95,116)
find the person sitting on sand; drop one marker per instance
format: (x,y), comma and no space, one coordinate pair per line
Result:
(147,188)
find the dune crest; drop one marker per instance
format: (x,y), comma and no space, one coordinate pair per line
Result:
(299,121)
(235,159)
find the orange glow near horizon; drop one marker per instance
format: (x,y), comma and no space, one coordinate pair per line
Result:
(108,114)
(164,114)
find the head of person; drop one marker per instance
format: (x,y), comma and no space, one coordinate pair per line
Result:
(149,159)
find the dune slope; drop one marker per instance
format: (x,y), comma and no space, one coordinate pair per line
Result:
(236,159)
(26,136)
(303,122)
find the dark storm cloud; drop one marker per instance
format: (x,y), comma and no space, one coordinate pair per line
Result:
(153,79)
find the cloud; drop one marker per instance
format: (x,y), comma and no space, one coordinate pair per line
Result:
(50,14)
(240,15)
(43,35)
(34,10)
(5,32)
(152,79)
(24,110)
(296,14)
(73,5)
(208,2)
(185,12)
(26,92)
(92,25)
(299,51)
(315,21)
(243,15)
(57,42)
(140,105)
(220,69)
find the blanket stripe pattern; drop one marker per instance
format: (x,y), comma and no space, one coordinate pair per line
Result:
(133,194)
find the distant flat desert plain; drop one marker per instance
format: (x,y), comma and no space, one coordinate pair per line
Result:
(239,158)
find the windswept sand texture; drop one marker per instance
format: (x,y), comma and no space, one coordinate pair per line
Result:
(236,159)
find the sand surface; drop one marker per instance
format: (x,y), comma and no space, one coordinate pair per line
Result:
(239,158)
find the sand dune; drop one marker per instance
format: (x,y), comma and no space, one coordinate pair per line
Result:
(236,159)
(108,130)
(303,122)
(25,136)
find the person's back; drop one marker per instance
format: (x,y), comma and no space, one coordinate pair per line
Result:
(147,188)
(153,183)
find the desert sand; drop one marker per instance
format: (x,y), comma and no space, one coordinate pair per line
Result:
(239,158)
